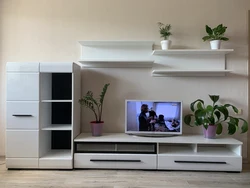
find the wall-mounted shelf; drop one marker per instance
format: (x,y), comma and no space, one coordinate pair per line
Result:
(171,73)
(56,100)
(117,43)
(192,52)
(116,63)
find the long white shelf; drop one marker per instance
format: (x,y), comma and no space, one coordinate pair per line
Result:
(192,52)
(116,63)
(165,73)
(116,43)
(57,154)
(56,100)
(58,127)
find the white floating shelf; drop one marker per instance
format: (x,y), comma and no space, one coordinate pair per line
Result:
(116,43)
(192,52)
(58,127)
(179,73)
(116,63)
(57,154)
(56,100)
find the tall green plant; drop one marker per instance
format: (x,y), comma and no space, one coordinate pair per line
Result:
(216,33)
(95,105)
(215,114)
(164,30)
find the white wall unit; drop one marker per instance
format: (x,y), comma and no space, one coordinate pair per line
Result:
(186,152)
(40,114)
(113,54)
(180,73)
(192,52)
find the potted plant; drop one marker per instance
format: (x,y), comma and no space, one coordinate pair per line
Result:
(215,36)
(211,117)
(96,106)
(165,33)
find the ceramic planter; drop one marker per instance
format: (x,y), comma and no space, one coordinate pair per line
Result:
(215,44)
(165,44)
(96,128)
(210,132)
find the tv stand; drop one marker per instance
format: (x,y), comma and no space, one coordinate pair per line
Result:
(186,152)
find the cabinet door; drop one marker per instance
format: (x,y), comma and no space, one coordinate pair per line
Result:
(21,143)
(22,115)
(22,86)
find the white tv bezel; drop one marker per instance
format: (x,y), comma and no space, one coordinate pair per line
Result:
(149,132)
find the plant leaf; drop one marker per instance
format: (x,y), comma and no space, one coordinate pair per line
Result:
(187,119)
(233,107)
(223,110)
(217,113)
(193,103)
(219,128)
(244,127)
(103,92)
(224,38)
(209,30)
(206,38)
(231,128)
(214,98)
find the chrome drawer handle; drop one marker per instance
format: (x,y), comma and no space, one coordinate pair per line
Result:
(209,162)
(113,160)
(22,115)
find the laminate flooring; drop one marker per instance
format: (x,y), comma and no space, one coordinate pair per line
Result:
(120,179)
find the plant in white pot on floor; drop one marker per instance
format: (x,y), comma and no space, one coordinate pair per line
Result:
(165,33)
(215,36)
(96,106)
(212,117)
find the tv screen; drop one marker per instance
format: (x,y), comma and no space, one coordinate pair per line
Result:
(153,117)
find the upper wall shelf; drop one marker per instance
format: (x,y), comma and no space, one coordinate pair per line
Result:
(192,52)
(117,43)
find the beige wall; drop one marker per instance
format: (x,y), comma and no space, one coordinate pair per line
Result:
(49,30)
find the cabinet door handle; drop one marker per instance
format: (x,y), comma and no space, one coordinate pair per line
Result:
(22,115)
(114,160)
(205,162)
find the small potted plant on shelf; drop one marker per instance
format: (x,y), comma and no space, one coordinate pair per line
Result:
(215,36)
(96,106)
(165,33)
(211,117)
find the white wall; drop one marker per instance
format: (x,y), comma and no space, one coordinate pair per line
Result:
(49,30)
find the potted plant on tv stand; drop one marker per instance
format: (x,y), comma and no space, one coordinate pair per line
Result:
(96,106)
(211,117)
(165,33)
(215,36)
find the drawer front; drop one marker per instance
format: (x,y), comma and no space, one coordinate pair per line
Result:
(55,163)
(22,115)
(21,162)
(22,67)
(21,144)
(56,67)
(22,86)
(208,163)
(115,161)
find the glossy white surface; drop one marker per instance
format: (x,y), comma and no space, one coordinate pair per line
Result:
(57,127)
(22,108)
(191,51)
(23,143)
(56,67)
(22,86)
(22,67)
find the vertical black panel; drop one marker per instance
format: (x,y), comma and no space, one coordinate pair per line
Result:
(61,86)
(61,113)
(61,140)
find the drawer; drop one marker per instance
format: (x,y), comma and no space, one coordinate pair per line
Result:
(22,86)
(115,161)
(22,115)
(206,163)
(22,67)
(22,143)
(55,163)
(21,162)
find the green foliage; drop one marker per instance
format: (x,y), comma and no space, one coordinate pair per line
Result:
(95,105)
(215,114)
(164,30)
(216,33)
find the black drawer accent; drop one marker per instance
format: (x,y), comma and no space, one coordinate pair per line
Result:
(22,115)
(114,160)
(205,162)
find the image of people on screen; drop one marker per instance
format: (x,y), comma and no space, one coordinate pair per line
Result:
(153,116)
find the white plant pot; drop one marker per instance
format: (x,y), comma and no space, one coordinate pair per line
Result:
(165,44)
(215,44)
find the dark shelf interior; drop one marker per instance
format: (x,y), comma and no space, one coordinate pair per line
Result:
(61,113)
(61,86)
(61,140)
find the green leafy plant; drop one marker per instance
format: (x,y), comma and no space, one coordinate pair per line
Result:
(164,30)
(95,105)
(216,33)
(214,114)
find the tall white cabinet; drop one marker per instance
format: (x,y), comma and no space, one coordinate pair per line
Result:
(43,114)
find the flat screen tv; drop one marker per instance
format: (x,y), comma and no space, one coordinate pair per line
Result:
(153,118)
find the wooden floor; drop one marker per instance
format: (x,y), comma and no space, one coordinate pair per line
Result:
(120,179)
